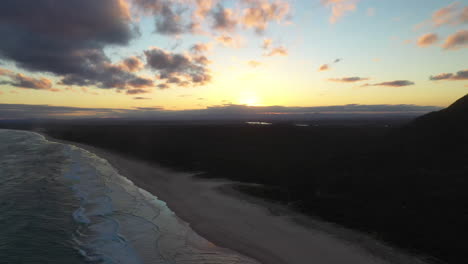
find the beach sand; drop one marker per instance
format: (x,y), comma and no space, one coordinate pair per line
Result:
(267,232)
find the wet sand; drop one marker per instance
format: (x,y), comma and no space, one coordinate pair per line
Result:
(258,229)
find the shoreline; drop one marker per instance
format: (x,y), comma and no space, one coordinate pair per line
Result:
(251,226)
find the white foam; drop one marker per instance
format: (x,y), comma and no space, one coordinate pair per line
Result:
(122,223)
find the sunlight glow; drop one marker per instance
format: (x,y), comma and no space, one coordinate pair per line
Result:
(249,99)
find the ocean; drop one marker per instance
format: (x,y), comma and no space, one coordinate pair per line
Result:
(62,204)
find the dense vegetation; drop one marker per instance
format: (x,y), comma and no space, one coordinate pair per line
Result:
(406,185)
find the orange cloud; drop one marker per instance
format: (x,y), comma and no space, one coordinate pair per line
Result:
(457,41)
(261,12)
(324,67)
(427,40)
(266,43)
(203,8)
(22,81)
(228,41)
(451,15)
(340,8)
(131,64)
(254,64)
(277,51)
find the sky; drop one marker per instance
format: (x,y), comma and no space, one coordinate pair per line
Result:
(209,54)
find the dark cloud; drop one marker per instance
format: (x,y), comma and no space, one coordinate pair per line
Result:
(398,83)
(169,22)
(131,64)
(65,38)
(140,82)
(178,68)
(223,19)
(459,76)
(163,86)
(457,41)
(348,79)
(141,98)
(169,18)
(136,91)
(229,111)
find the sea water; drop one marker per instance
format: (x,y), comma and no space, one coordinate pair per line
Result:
(62,204)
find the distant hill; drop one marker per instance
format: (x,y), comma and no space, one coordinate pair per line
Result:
(442,134)
(453,117)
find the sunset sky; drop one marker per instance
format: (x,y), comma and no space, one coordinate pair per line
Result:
(194,54)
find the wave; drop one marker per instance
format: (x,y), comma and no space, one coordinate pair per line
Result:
(122,223)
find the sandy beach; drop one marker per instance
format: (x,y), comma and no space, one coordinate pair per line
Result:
(258,229)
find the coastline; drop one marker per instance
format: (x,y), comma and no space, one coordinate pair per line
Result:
(248,225)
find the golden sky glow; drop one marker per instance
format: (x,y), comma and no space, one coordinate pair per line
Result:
(305,53)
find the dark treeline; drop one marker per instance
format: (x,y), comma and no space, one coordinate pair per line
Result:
(407,185)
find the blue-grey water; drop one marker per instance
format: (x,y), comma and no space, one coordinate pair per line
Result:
(63,204)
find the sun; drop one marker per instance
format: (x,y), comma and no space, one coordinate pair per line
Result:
(249,99)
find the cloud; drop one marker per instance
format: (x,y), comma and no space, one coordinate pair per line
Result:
(427,40)
(136,91)
(398,83)
(370,11)
(169,16)
(223,19)
(182,17)
(22,81)
(348,79)
(219,112)
(260,13)
(178,69)
(457,41)
(84,90)
(141,98)
(228,41)
(203,8)
(72,48)
(277,51)
(140,82)
(254,63)
(200,48)
(324,67)
(340,8)
(459,76)
(131,64)
(267,43)
(452,15)
(327,67)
